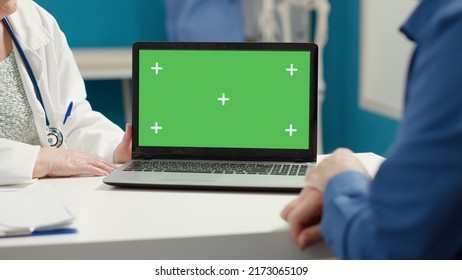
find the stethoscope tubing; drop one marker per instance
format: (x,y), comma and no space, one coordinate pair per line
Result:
(28,66)
(54,136)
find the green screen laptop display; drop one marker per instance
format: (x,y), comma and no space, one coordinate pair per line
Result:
(224,99)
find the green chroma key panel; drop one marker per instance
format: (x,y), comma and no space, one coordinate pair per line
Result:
(224,99)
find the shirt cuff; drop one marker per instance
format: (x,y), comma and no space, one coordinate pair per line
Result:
(346,194)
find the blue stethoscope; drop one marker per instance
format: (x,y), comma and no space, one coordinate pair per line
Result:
(54,135)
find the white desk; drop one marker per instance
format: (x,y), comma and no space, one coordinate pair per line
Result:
(117,223)
(108,64)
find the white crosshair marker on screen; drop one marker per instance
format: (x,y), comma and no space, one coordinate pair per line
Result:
(291,69)
(157,68)
(223,99)
(156,128)
(291,130)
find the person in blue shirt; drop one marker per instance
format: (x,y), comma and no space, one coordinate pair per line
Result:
(205,20)
(412,208)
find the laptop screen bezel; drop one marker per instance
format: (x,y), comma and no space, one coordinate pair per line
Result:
(241,154)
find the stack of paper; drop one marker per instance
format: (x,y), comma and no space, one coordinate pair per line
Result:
(35,208)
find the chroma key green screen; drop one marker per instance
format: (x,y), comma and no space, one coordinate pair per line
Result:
(224,98)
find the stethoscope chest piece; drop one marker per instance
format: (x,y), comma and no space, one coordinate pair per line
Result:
(55,137)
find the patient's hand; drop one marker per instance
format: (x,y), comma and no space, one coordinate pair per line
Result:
(305,212)
(304,216)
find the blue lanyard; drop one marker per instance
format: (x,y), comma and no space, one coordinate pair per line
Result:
(28,67)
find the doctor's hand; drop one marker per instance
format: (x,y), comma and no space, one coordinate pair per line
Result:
(53,162)
(305,212)
(123,152)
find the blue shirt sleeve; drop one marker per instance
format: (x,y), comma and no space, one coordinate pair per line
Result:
(345,196)
(347,209)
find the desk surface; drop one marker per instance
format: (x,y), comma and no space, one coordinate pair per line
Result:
(115,223)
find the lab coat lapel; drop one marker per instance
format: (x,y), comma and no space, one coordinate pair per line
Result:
(33,38)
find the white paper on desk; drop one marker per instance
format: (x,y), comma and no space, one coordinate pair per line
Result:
(34,206)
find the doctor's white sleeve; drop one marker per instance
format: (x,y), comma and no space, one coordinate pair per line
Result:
(17,162)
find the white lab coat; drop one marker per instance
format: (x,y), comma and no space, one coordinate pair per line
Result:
(60,83)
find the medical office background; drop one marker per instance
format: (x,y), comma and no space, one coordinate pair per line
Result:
(346,120)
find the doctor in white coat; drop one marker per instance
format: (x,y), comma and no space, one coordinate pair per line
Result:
(91,143)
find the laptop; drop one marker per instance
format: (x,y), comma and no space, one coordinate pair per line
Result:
(222,116)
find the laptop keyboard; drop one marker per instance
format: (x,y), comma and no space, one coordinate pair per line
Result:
(220,168)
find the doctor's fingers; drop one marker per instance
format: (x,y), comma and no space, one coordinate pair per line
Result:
(92,165)
(95,166)
(123,152)
(85,164)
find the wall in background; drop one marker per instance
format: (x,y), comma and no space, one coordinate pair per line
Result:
(108,23)
(385,55)
(345,123)
(120,23)
(88,23)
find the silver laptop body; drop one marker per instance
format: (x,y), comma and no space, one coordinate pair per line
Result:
(222,116)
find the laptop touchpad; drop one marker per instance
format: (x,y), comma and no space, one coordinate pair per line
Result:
(182,177)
